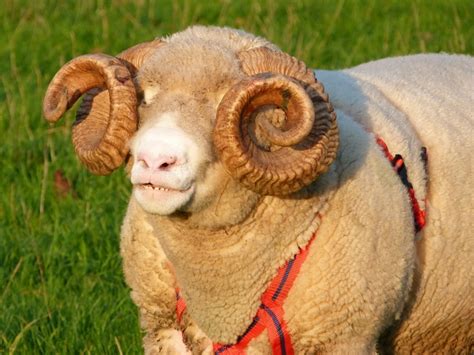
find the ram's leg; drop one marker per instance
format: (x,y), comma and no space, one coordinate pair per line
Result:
(165,341)
(150,276)
(195,338)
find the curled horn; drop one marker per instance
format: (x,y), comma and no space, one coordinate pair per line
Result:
(299,149)
(107,117)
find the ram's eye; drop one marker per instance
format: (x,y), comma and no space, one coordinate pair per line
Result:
(141,97)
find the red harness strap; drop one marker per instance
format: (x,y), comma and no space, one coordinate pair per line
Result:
(399,166)
(270,314)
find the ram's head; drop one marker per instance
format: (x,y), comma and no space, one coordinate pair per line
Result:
(190,113)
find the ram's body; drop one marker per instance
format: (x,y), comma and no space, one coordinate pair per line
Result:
(426,100)
(369,280)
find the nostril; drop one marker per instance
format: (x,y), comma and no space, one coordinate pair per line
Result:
(167,163)
(141,159)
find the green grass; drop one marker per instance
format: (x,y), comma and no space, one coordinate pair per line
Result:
(61,284)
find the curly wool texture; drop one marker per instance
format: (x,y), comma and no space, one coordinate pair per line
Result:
(357,282)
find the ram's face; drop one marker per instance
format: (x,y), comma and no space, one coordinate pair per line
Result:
(166,161)
(173,159)
(175,167)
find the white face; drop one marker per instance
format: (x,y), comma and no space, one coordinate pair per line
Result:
(166,162)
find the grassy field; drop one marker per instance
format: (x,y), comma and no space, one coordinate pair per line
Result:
(61,284)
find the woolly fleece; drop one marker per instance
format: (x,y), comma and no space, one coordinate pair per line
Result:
(356,285)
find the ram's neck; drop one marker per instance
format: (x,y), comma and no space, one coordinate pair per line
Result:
(222,273)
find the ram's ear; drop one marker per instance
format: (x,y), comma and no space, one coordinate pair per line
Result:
(107,117)
(300,146)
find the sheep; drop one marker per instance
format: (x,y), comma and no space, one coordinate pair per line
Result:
(253,205)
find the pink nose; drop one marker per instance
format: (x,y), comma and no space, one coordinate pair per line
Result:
(157,162)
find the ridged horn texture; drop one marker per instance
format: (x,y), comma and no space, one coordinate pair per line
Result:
(301,148)
(107,117)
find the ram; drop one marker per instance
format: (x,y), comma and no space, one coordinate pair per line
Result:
(270,214)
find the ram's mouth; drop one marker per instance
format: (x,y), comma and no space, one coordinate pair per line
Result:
(162,199)
(150,186)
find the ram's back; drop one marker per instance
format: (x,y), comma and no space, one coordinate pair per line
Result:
(414,102)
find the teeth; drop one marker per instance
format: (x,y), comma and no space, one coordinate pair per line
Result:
(159,188)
